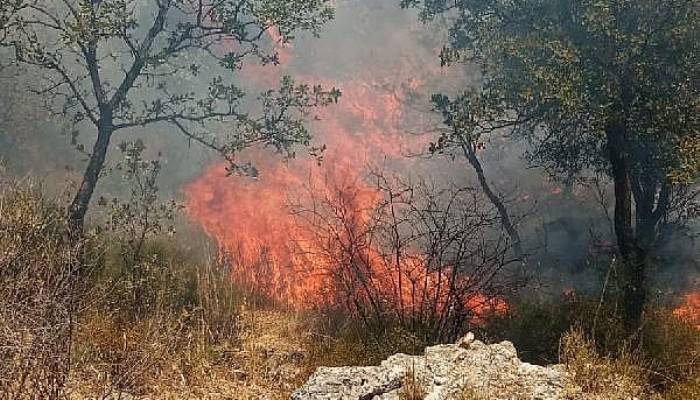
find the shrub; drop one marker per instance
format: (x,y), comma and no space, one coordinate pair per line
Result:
(672,347)
(340,344)
(70,320)
(414,255)
(689,389)
(187,308)
(536,327)
(41,291)
(596,346)
(116,356)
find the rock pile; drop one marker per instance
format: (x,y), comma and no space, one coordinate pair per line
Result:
(467,370)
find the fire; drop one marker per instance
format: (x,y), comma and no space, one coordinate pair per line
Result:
(256,230)
(251,219)
(689,311)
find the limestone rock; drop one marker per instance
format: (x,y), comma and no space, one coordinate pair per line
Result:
(443,372)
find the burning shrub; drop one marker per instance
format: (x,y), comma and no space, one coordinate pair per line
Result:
(411,254)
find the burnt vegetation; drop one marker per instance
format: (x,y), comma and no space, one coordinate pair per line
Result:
(554,203)
(423,258)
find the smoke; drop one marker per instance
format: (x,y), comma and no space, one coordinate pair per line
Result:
(386,62)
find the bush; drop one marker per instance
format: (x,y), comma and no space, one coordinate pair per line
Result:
(41,291)
(338,343)
(71,323)
(114,356)
(684,390)
(168,337)
(418,256)
(536,327)
(672,347)
(589,337)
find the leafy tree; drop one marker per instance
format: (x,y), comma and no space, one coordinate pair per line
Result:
(605,85)
(114,65)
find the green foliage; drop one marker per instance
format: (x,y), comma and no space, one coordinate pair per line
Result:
(293,15)
(594,86)
(536,327)
(139,218)
(558,72)
(167,50)
(142,215)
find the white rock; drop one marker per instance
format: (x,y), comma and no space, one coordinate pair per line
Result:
(445,372)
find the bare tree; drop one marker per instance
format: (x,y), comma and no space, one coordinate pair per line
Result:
(425,258)
(113,65)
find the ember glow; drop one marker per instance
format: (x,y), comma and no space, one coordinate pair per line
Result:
(689,311)
(251,219)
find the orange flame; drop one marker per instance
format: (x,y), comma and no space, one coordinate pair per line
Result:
(689,311)
(252,223)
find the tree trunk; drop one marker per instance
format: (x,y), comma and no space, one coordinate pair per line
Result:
(79,206)
(495,200)
(632,268)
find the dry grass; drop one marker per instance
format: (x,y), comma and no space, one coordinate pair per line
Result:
(175,345)
(599,377)
(192,333)
(38,296)
(472,394)
(412,386)
(337,341)
(689,389)
(189,333)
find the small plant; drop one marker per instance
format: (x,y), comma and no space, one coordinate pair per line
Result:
(412,386)
(469,393)
(140,217)
(219,301)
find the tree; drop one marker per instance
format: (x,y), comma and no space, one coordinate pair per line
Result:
(113,65)
(606,85)
(466,135)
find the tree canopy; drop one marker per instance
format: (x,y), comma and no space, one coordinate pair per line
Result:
(117,64)
(606,85)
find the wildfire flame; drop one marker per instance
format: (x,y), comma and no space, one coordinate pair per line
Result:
(689,311)
(251,219)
